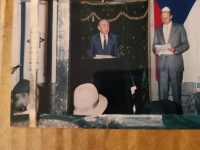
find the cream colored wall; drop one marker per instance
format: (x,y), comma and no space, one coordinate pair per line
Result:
(13,138)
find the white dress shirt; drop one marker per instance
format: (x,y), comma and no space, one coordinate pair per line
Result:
(102,39)
(166,31)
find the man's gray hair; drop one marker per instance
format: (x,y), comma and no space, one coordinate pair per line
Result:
(20,101)
(101,20)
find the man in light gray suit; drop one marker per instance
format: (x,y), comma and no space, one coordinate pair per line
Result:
(170,66)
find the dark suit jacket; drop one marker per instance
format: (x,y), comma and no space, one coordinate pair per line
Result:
(95,46)
(177,39)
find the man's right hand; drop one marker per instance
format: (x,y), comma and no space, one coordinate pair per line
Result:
(157,50)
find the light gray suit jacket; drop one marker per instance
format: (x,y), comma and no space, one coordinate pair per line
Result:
(178,40)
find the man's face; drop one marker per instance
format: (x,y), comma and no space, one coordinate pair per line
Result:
(104,27)
(166,17)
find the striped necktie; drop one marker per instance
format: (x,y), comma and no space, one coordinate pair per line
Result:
(104,45)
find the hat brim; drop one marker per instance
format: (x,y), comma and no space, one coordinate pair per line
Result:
(98,110)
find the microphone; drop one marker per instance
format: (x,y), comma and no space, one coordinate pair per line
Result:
(17,66)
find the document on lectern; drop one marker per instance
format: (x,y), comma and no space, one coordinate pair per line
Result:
(164,49)
(103,56)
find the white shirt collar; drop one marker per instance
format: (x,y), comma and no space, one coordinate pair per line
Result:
(103,35)
(169,24)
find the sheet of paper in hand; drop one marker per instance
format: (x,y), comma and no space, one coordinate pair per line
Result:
(164,49)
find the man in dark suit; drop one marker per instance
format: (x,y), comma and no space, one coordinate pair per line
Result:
(103,43)
(170,66)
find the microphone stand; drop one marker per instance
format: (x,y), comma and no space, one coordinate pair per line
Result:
(34,63)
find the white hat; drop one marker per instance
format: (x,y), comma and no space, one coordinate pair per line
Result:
(165,9)
(87,101)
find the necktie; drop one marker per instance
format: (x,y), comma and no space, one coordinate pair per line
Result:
(104,45)
(166,34)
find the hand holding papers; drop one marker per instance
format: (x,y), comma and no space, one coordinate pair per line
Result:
(164,49)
